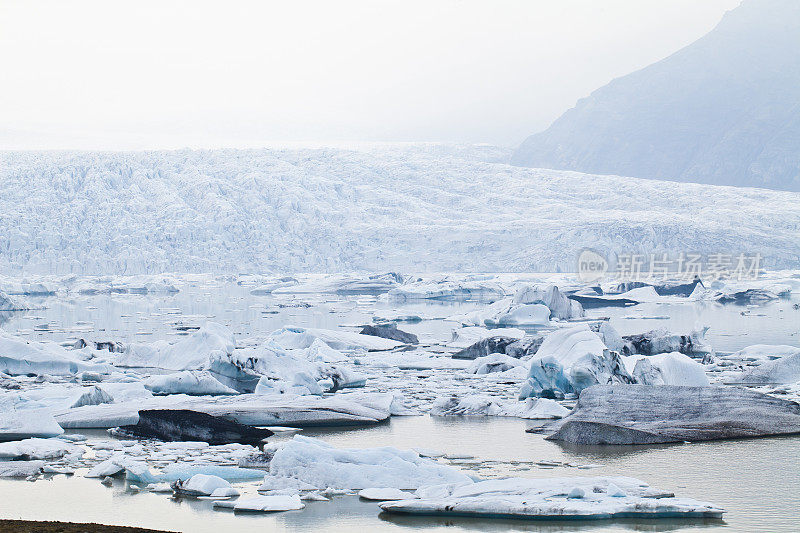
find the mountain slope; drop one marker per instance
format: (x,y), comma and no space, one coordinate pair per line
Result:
(724,110)
(410,208)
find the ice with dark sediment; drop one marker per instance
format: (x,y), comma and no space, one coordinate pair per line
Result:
(646,414)
(569,360)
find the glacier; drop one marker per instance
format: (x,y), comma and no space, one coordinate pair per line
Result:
(414,207)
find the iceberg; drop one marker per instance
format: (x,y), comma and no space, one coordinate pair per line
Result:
(137,472)
(200,485)
(39,449)
(292,337)
(672,368)
(263,504)
(663,341)
(759,353)
(568,361)
(28,423)
(191,353)
(94,396)
(20,469)
(389,331)
(495,362)
(321,465)
(185,425)
(482,405)
(446,289)
(644,414)
(192,382)
(19,357)
(778,371)
(554,498)
(561,307)
(247,409)
(9,303)
(385,494)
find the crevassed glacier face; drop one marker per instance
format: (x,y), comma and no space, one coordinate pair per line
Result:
(334,210)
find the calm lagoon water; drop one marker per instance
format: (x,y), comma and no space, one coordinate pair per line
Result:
(755,480)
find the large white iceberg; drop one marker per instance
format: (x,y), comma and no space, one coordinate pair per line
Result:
(318,464)
(777,371)
(293,337)
(530,306)
(23,424)
(672,368)
(569,360)
(38,449)
(21,357)
(192,382)
(190,353)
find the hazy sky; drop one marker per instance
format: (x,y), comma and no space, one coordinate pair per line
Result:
(168,74)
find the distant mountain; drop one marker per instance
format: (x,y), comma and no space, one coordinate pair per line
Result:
(725,110)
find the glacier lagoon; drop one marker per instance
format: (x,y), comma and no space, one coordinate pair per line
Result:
(750,479)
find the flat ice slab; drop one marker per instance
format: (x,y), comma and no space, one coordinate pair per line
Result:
(248,409)
(553,499)
(646,414)
(264,504)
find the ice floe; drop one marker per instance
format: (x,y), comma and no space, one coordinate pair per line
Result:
(278,502)
(553,498)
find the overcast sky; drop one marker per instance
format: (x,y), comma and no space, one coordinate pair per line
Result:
(170,74)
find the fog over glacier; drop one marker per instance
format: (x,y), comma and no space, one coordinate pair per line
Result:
(420,207)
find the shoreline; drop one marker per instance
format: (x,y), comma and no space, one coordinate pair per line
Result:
(31,526)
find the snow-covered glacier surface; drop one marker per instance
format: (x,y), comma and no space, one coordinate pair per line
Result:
(364,208)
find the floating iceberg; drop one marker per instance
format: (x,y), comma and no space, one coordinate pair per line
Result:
(758,353)
(663,341)
(482,405)
(263,504)
(21,357)
(495,362)
(447,289)
(9,303)
(200,485)
(184,425)
(666,369)
(777,371)
(191,382)
(554,498)
(389,331)
(20,468)
(530,306)
(643,414)
(191,353)
(568,361)
(291,337)
(383,494)
(38,449)
(321,465)
(248,409)
(28,423)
